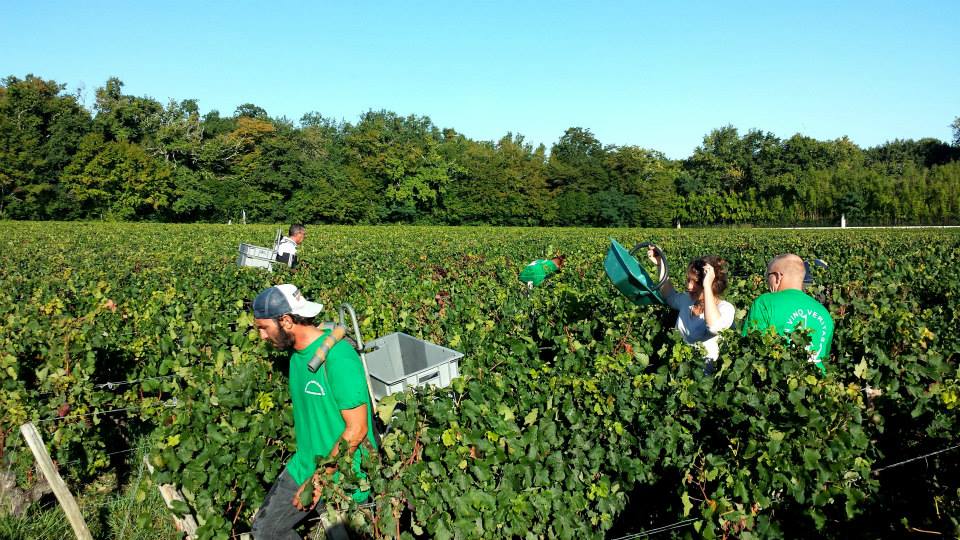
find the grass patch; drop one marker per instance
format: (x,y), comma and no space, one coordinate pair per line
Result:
(111,512)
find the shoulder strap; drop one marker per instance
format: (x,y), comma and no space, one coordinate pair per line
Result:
(337,333)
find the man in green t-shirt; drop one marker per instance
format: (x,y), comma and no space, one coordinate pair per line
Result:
(534,273)
(786,307)
(329,406)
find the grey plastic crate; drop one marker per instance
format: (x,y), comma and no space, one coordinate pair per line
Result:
(256,256)
(400,361)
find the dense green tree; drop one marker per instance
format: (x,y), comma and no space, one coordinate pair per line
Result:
(719,164)
(214,124)
(253,184)
(576,162)
(179,134)
(577,173)
(193,195)
(115,180)
(575,208)
(525,168)
(501,183)
(401,155)
(940,197)
(894,155)
(333,189)
(645,179)
(249,110)
(136,158)
(804,153)
(126,118)
(40,130)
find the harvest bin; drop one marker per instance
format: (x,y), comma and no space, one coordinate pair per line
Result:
(256,256)
(399,361)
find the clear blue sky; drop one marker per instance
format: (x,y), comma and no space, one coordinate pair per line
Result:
(654,74)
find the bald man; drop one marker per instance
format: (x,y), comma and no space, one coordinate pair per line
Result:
(786,307)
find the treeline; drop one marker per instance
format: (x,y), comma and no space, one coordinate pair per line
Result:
(135,158)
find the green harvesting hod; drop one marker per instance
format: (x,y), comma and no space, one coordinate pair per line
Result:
(630,278)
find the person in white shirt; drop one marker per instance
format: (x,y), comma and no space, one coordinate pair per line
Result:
(703,314)
(287,249)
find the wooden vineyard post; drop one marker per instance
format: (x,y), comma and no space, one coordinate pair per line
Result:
(69,504)
(170,493)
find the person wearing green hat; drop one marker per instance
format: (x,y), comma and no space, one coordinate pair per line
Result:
(536,272)
(330,406)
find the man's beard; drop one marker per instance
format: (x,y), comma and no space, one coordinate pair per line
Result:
(284,340)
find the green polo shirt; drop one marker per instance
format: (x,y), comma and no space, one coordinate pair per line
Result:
(318,398)
(788,310)
(537,271)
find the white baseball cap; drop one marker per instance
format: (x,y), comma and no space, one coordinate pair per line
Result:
(282,300)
